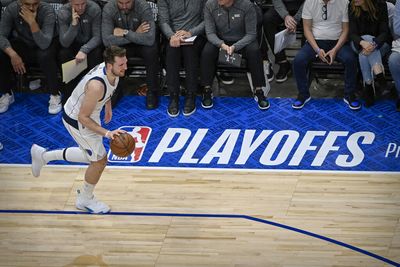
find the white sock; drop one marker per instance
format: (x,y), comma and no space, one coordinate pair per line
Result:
(87,189)
(71,154)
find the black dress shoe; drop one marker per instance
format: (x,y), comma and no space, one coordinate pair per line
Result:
(151,100)
(369,95)
(190,104)
(173,107)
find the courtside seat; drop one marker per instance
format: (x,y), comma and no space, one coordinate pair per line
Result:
(243,69)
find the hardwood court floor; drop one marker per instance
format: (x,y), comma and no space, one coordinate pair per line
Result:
(359,209)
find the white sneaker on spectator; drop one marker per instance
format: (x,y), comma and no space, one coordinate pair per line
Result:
(55,104)
(37,159)
(90,204)
(5,101)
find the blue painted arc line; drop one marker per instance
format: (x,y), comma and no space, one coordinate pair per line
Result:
(197,215)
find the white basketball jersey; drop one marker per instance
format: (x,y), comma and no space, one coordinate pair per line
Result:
(74,102)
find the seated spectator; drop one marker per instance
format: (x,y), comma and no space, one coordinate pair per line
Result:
(289,13)
(369,33)
(3,4)
(33,21)
(180,19)
(394,59)
(231,26)
(80,36)
(130,24)
(326,28)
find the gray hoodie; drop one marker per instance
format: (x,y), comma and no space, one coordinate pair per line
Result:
(114,18)
(11,20)
(175,15)
(236,24)
(87,32)
(283,7)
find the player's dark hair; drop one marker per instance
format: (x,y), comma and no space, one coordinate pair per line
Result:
(113,51)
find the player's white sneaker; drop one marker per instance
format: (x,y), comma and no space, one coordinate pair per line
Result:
(91,204)
(37,159)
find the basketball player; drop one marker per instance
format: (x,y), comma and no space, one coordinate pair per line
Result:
(82,119)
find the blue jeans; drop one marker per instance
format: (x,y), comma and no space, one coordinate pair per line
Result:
(307,55)
(394,66)
(367,62)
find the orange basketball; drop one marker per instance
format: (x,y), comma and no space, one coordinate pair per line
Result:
(122,145)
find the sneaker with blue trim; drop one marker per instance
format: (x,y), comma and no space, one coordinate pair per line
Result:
(300,102)
(352,102)
(90,204)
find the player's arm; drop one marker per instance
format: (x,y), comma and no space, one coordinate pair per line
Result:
(94,92)
(107,112)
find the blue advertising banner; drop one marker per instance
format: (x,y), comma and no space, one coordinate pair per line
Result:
(234,134)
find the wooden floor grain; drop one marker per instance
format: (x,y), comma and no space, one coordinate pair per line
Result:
(361,209)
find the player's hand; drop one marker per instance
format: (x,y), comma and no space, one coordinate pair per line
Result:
(80,57)
(75,17)
(18,64)
(143,28)
(111,134)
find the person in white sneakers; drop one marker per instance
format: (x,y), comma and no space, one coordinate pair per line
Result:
(81,118)
(33,22)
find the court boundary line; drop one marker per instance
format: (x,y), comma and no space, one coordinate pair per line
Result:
(207,169)
(199,215)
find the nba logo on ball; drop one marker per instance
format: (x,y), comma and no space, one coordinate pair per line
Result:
(141,135)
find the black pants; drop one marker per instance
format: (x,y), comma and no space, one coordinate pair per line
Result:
(191,61)
(94,58)
(272,22)
(31,56)
(251,52)
(152,63)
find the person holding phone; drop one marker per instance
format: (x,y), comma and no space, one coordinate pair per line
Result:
(326,28)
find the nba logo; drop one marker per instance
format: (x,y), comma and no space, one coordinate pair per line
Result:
(141,135)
